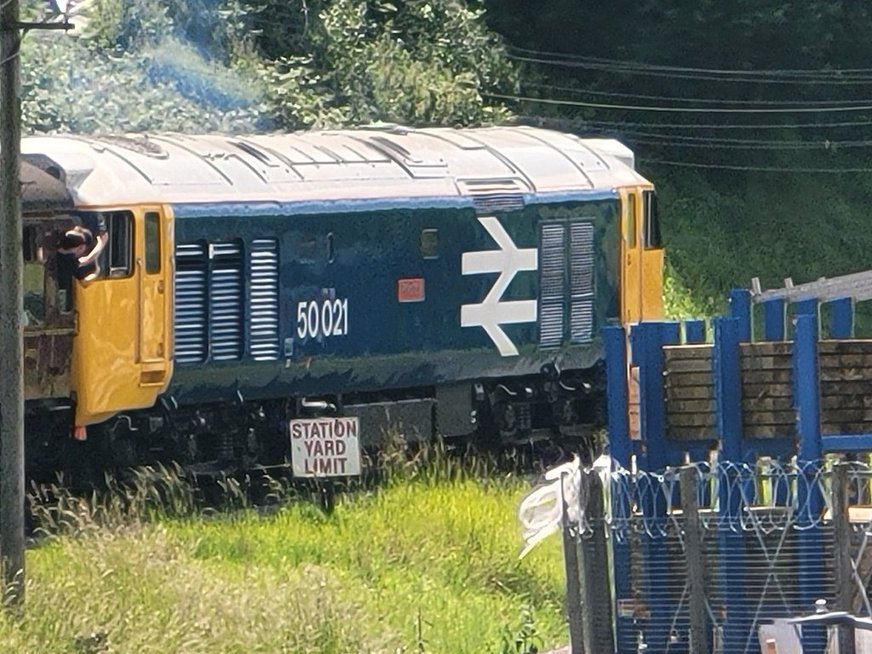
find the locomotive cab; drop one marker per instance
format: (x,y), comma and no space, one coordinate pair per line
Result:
(641,257)
(48,319)
(122,357)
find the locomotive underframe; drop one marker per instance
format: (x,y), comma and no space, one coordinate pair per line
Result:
(565,408)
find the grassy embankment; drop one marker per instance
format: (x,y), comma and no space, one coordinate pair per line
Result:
(428,563)
(771,225)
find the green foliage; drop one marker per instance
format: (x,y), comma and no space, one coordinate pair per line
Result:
(424,63)
(124,26)
(525,640)
(86,90)
(198,65)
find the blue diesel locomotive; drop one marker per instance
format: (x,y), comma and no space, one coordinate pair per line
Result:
(298,297)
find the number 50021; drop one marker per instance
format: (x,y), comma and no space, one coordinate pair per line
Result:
(321,318)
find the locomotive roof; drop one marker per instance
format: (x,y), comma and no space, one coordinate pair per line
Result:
(383,162)
(40,191)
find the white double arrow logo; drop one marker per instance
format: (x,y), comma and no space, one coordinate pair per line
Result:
(508,261)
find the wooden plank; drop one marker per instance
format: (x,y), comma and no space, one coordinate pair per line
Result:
(850,346)
(685,434)
(845,387)
(678,366)
(770,418)
(846,360)
(829,402)
(768,389)
(762,404)
(690,379)
(767,376)
(844,374)
(701,351)
(767,363)
(691,420)
(829,427)
(679,393)
(846,415)
(766,348)
(690,406)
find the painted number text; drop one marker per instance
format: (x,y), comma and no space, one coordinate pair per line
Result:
(322,318)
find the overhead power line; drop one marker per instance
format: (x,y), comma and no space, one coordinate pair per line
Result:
(786,145)
(710,110)
(602,63)
(718,126)
(705,142)
(649,71)
(718,101)
(763,169)
(570,123)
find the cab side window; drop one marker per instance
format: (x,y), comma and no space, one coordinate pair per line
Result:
(118,254)
(34,277)
(630,222)
(651,225)
(152,242)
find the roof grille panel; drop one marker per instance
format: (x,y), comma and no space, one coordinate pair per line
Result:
(496,195)
(497,202)
(264,317)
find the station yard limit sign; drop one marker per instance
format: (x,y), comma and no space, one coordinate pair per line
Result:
(325,447)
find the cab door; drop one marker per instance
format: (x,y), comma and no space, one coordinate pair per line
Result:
(121,351)
(153,265)
(652,259)
(631,257)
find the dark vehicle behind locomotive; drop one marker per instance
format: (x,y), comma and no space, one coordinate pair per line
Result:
(287,297)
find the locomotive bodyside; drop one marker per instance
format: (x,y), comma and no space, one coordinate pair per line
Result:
(449,280)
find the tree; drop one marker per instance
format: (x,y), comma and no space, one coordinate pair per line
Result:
(422,62)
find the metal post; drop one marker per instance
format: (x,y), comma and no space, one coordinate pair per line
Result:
(595,586)
(699,641)
(694,331)
(648,341)
(740,309)
(727,382)
(842,318)
(808,307)
(621,450)
(11,335)
(574,608)
(809,499)
(615,344)
(726,373)
(844,565)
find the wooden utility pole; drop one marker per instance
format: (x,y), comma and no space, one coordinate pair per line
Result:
(11,293)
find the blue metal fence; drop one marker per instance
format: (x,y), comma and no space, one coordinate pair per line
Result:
(646,606)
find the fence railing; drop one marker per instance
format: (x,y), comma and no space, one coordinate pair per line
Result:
(717,558)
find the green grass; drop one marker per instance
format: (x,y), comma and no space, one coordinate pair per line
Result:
(422,565)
